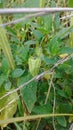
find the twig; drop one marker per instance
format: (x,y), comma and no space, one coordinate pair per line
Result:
(66,17)
(33,10)
(32,117)
(49,88)
(39,76)
(54,103)
(47,96)
(35,14)
(23,18)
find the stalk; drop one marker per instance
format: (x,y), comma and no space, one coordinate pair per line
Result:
(42,3)
(71,35)
(4,43)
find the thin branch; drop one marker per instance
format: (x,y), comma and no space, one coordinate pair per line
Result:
(23,18)
(31,16)
(49,88)
(33,10)
(66,17)
(46,100)
(54,105)
(39,76)
(33,117)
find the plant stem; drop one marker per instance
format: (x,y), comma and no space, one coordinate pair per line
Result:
(6,47)
(46,100)
(33,117)
(71,35)
(42,3)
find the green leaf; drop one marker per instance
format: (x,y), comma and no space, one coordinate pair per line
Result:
(38,51)
(59,127)
(34,65)
(67,50)
(5,66)
(53,47)
(70,3)
(8,109)
(31,42)
(29,95)
(7,85)
(57,21)
(38,35)
(18,60)
(25,78)
(2,79)
(32,3)
(53,4)
(62,93)
(68,91)
(65,68)
(70,119)
(43,109)
(35,25)
(17,72)
(64,32)
(62,121)
(23,52)
(49,61)
(65,107)
(47,22)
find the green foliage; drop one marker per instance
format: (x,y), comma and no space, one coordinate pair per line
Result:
(8,106)
(28,92)
(56,21)
(62,121)
(70,3)
(43,109)
(35,46)
(5,66)
(17,73)
(7,85)
(29,95)
(32,3)
(6,47)
(34,65)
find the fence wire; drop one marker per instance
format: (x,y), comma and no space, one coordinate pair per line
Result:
(32,12)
